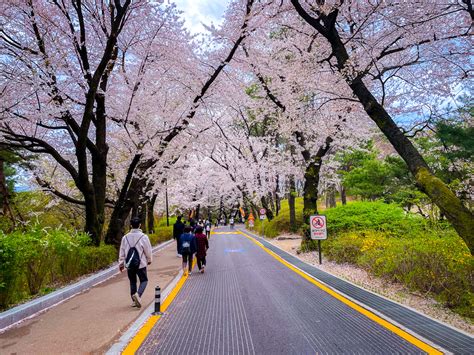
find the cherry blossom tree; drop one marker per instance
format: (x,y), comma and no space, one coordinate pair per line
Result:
(314,117)
(392,57)
(135,182)
(58,58)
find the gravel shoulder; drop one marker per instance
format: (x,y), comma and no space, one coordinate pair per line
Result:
(393,291)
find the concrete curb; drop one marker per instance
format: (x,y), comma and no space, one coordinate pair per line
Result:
(121,344)
(32,308)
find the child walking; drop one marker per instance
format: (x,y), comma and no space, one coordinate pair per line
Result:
(202,244)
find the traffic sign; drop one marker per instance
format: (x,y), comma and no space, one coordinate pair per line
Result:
(318,227)
(263,211)
(262,217)
(251,217)
(251,224)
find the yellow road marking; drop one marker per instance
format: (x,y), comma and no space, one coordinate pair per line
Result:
(400,332)
(141,335)
(226,232)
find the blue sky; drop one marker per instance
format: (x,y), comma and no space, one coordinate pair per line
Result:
(197,12)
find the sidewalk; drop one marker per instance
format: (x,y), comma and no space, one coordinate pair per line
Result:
(89,322)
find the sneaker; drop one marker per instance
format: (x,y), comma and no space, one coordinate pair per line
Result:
(133,305)
(137,300)
(202,271)
(179,255)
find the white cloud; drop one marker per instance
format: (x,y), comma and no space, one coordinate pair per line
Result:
(197,12)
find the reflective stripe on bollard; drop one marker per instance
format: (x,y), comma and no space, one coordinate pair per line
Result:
(157,301)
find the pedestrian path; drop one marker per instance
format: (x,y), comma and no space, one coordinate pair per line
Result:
(91,321)
(250,302)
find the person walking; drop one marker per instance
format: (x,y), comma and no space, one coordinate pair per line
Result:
(187,248)
(231,221)
(135,254)
(208,229)
(202,244)
(178,229)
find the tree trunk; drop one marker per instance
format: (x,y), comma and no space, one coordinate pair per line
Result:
(5,194)
(291,204)
(343,195)
(310,194)
(265,205)
(276,196)
(331,197)
(277,204)
(458,215)
(198,212)
(142,213)
(151,214)
(93,227)
(451,206)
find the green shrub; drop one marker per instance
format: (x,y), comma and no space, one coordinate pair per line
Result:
(8,269)
(40,259)
(345,249)
(162,234)
(378,216)
(96,258)
(438,263)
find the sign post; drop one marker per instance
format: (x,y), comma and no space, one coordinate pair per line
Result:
(318,231)
(251,220)
(263,212)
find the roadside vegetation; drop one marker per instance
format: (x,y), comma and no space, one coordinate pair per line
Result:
(47,250)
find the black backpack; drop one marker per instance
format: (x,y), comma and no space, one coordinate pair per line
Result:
(132,261)
(186,247)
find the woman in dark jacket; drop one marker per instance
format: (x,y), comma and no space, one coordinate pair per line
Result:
(202,245)
(187,247)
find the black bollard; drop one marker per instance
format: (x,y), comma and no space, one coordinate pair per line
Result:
(157,301)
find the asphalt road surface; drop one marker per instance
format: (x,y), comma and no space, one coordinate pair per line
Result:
(247,302)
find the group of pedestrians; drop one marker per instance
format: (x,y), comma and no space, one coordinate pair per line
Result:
(136,252)
(190,240)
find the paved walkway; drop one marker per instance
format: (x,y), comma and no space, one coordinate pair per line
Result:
(89,322)
(248,302)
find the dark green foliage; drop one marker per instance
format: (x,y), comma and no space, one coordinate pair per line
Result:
(458,138)
(162,232)
(40,258)
(377,216)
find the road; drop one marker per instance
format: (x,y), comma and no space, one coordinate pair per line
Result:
(249,302)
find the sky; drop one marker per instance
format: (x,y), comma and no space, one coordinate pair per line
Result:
(197,12)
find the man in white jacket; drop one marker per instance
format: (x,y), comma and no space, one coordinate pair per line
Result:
(136,238)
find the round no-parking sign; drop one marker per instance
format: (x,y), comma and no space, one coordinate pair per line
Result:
(318,227)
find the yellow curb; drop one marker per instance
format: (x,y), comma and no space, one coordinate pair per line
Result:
(142,334)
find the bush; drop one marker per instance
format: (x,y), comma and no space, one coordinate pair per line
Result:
(436,262)
(377,216)
(162,234)
(37,258)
